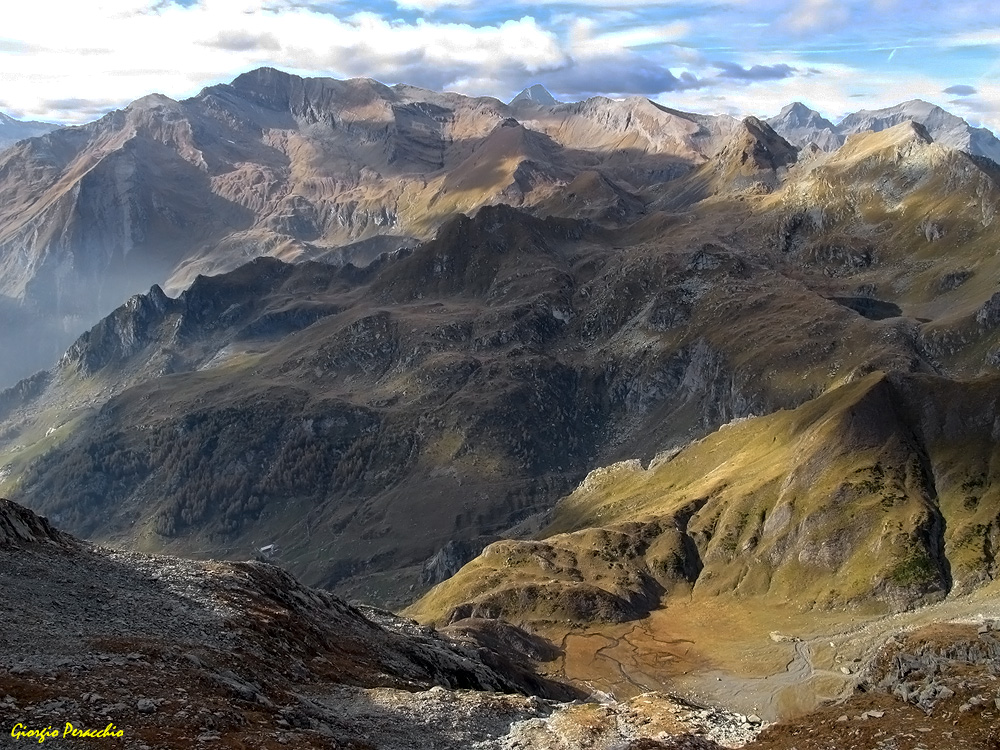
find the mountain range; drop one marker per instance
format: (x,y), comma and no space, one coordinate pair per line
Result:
(502,359)
(580,366)
(338,171)
(803,126)
(12,131)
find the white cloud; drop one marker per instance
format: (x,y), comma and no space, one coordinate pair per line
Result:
(432,5)
(984,38)
(586,41)
(138,46)
(71,61)
(812,15)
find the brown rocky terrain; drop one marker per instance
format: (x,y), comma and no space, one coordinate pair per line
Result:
(173,653)
(933,687)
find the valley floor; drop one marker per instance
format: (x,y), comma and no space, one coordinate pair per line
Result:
(776,663)
(822,680)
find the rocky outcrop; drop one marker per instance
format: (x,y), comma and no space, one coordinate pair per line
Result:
(802,126)
(123,334)
(446,562)
(19,526)
(988,316)
(953,664)
(23,393)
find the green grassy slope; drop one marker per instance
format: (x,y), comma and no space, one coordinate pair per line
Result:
(882,491)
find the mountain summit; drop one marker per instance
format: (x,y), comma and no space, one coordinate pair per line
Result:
(536,94)
(944,127)
(800,125)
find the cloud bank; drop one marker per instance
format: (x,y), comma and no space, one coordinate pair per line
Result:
(70,61)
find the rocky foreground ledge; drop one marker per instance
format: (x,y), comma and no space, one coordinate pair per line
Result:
(175,653)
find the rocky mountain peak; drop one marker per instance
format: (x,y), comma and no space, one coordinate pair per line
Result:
(800,126)
(263,79)
(798,114)
(536,94)
(153,101)
(883,119)
(311,98)
(756,144)
(268,87)
(943,126)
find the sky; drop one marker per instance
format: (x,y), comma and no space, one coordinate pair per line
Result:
(71,61)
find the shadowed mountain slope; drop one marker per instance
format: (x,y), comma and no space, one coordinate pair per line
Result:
(367,420)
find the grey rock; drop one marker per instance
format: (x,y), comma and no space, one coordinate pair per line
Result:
(944,127)
(802,126)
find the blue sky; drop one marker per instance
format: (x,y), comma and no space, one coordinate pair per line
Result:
(71,61)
